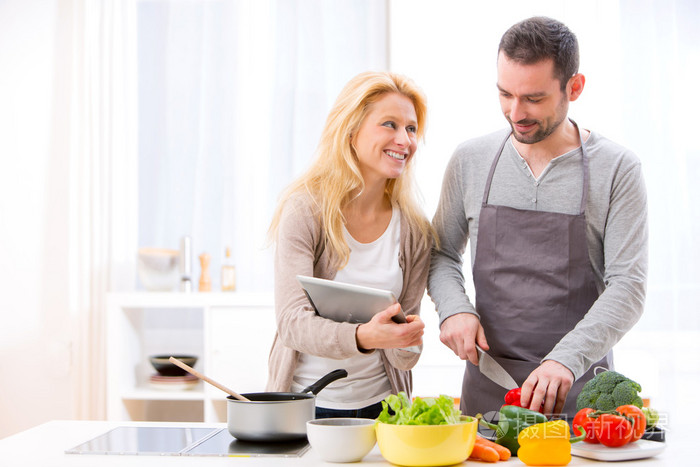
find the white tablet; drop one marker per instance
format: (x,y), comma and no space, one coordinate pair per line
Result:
(347,302)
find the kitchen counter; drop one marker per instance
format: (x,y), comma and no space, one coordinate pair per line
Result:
(46,444)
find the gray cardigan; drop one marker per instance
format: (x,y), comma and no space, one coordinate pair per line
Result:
(300,249)
(617,235)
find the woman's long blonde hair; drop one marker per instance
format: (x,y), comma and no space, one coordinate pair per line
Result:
(335,174)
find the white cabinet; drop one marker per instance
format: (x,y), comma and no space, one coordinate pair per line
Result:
(230,333)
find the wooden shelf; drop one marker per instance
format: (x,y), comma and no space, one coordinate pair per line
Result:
(189,300)
(149,393)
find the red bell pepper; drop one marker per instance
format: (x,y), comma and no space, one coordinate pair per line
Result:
(513,398)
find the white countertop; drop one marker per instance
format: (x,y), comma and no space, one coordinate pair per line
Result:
(45,445)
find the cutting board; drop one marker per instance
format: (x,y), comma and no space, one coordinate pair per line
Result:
(640,449)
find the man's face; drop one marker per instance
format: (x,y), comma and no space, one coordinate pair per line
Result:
(531,98)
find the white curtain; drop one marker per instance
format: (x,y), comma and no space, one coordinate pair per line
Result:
(36,332)
(68,200)
(102,161)
(232,98)
(659,117)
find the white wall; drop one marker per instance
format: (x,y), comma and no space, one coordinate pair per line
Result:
(35,330)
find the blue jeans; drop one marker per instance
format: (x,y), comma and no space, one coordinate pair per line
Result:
(371,411)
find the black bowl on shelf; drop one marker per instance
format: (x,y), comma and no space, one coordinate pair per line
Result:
(164,367)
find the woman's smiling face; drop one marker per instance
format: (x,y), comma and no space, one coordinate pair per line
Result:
(386,139)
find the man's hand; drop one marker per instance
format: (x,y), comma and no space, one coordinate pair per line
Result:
(550,382)
(460,332)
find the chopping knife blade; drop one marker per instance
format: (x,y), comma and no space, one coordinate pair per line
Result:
(494,371)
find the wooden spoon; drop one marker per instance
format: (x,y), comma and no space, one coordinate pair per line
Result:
(199,375)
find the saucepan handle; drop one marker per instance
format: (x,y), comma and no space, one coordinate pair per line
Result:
(334,375)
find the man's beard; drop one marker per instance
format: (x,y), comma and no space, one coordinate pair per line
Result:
(543,131)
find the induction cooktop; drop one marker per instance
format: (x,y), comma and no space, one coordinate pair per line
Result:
(181,441)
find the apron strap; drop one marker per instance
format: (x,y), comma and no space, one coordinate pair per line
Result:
(586,177)
(487,188)
(584,163)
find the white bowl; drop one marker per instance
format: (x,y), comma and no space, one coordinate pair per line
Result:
(158,268)
(341,439)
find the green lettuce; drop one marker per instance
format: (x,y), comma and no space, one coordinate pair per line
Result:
(423,411)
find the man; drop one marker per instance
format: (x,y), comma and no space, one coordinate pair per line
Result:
(556,219)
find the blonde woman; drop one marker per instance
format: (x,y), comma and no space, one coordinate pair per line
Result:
(352,217)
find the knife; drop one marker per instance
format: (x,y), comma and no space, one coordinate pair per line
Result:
(494,371)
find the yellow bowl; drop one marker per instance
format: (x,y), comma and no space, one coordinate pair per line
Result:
(422,445)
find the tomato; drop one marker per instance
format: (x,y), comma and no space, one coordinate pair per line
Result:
(639,424)
(583,420)
(613,430)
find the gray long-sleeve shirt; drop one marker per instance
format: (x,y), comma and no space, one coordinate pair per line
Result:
(617,235)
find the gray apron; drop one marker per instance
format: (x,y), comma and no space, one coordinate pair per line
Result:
(534,282)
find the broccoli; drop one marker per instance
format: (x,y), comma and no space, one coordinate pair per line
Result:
(604,402)
(609,390)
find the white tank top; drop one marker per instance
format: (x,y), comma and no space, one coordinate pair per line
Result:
(374,264)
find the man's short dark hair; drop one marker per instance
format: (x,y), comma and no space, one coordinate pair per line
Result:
(539,38)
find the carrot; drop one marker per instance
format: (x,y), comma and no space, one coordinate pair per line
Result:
(483,452)
(503,452)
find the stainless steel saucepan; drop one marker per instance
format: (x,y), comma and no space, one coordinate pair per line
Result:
(269,416)
(276,416)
